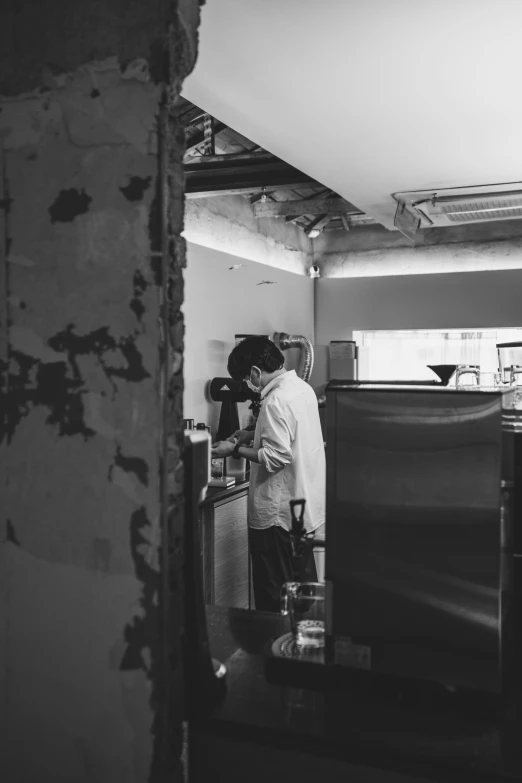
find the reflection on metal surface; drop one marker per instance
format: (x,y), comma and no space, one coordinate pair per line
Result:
(414,506)
(434,589)
(286,647)
(514,371)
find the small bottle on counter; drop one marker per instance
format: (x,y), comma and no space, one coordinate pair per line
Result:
(237,466)
(217,467)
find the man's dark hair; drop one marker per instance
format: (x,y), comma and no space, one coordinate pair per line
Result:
(258,351)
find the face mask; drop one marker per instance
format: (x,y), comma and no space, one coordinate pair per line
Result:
(255,389)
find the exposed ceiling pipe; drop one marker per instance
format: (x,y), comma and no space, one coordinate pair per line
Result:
(306,363)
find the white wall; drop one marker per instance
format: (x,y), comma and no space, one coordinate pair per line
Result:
(436,301)
(470,299)
(221,302)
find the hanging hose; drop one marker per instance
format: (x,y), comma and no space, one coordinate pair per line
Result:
(306,363)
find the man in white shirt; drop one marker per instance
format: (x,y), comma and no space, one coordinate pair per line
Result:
(287,458)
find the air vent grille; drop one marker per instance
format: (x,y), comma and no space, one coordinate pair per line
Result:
(490,214)
(459,206)
(481,206)
(492,209)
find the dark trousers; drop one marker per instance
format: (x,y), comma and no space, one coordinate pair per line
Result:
(273,565)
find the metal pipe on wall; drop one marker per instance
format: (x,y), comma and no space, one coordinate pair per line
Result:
(306,363)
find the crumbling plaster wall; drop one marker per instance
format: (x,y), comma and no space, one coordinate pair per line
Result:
(373,251)
(228,224)
(60,36)
(82,684)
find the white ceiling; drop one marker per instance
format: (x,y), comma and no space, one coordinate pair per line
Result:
(370,97)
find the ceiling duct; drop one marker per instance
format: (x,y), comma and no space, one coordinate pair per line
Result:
(457,206)
(306,364)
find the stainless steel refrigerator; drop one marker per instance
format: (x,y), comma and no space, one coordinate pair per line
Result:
(419,562)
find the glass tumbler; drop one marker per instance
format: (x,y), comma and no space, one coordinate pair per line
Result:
(303,602)
(464,374)
(217,469)
(489,380)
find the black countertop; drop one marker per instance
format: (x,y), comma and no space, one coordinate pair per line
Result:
(437,735)
(215,494)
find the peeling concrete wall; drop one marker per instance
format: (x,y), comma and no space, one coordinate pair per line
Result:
(228,225)
(375,237)
(375,252)
(61,36)
(81,657)
(468,257)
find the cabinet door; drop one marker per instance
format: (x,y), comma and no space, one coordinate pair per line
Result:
(231,570)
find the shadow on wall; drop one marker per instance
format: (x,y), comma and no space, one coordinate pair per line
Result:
(217,352)
(220,303)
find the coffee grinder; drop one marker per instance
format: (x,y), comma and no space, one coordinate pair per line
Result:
(228,392)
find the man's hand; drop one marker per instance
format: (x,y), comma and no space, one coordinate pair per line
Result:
(222,449)
(242,437)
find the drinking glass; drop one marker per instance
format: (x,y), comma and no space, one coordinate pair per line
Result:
(515,375)
(466,372)
(303,602)
(489,380)
(217,467)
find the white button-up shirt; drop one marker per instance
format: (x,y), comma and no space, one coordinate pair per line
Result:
(292,463)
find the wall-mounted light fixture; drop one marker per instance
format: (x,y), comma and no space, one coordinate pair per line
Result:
(314,271)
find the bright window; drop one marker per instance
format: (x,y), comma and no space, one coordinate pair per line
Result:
(404,355)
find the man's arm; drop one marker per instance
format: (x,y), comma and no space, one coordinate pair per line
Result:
(225,448)
(243,437)
(276,436)
(249,453)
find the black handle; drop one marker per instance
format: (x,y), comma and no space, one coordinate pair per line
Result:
(297,509)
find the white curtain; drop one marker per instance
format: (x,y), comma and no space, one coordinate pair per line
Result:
(404,355)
